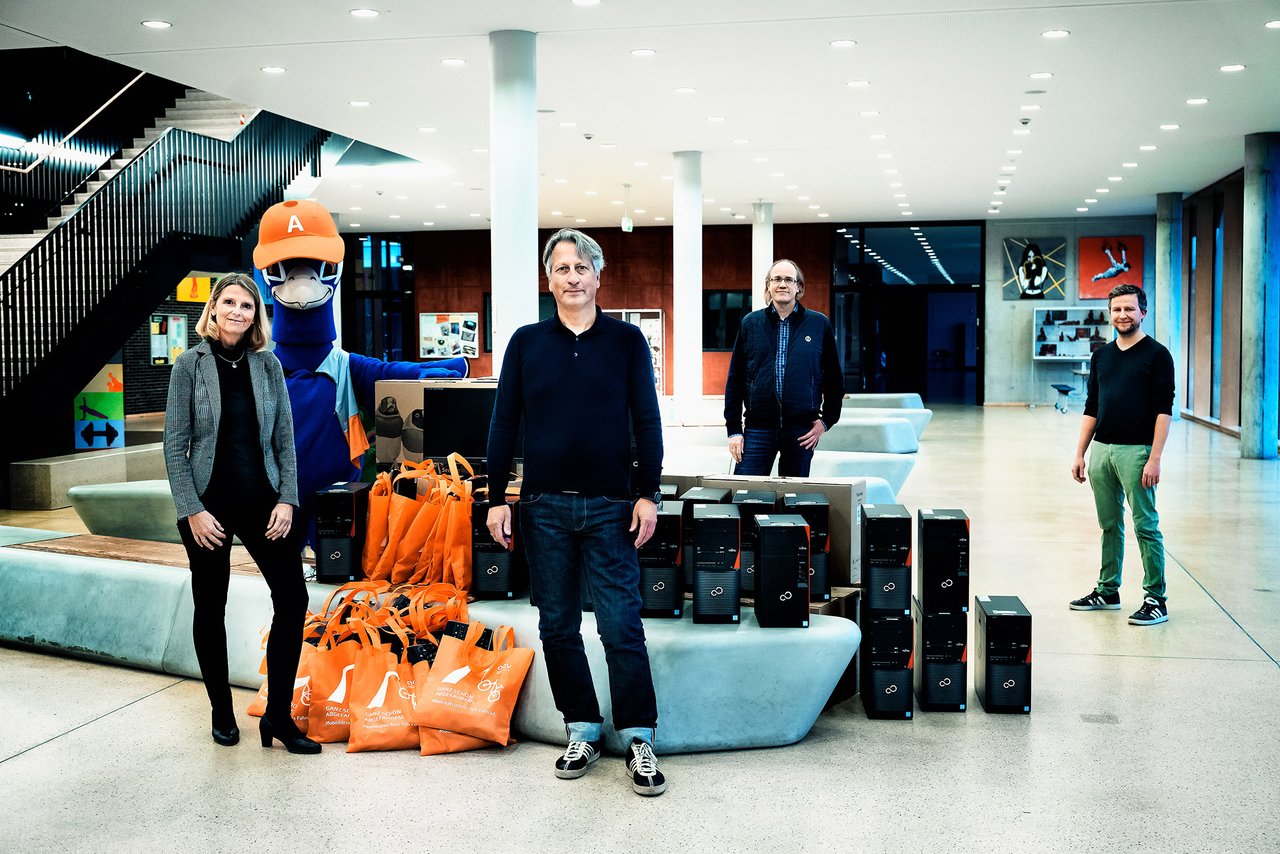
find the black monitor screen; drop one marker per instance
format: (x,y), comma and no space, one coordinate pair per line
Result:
(456,421)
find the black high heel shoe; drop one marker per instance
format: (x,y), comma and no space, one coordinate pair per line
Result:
(227,737)
(293,741)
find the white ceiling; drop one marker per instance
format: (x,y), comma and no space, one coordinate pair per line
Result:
(948,78)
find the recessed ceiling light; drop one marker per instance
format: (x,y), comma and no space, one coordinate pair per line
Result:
(815,207)
(760,159)
(1115,179)
(1013,151)
(1090,201)
(1008,168)
(879,136)
(358,103)
(355,225)
(869,114)
(586,3)
(402,197)
(355,209)
(479,151)
(1197,102)
(995,203)
(617,202)
(640,210)
(442,207)
(684,90)
(428,224)
(659,219)
(1082,210)
(803,198)
(1129,165)
(453,61)
(394,216)
(891,171)
(1004,180)
(1147,148)
(1040,75)
(157,25)
(993,210)
(707,200)
(792,187)
(557,213)
(1102,189)
(357,186)
(884,155)
(1030,108)
(365,13)
(1001,193)
(739,216)
(842,43)
(907,213)
(593,192)
(741,141)
(640,163)
(824,215)
(1056,34)
(777,174)
(858,84)
(1169,126)
(1231,68)
(560,180)
(568,124)
(608,145)
(725,210)
(473,214)
(1272,25)
(715,118)
(904,204)
(895,183)
(899,195)
(427,130)
(273,69)
(644,52)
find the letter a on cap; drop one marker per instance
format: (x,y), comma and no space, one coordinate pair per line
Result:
(294,222)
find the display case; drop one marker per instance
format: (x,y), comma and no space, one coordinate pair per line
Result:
(1068,334)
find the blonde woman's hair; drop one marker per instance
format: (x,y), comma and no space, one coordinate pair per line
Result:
(259,334)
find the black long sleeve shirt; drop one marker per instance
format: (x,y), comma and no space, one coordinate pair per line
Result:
(1128,389)
(582,398)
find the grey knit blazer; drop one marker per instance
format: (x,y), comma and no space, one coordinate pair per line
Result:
(191,419)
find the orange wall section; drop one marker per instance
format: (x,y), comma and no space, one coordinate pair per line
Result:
(452,273)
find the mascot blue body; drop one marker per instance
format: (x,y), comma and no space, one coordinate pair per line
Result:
(300,255)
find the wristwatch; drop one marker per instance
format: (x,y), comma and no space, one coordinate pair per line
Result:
(655,497)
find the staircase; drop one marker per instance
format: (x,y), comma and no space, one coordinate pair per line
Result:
(199,112)
(183,197)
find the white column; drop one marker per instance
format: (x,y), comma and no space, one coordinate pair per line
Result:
(513,177)
(761,249)
(1168,296)
(1260,305)
(686,303)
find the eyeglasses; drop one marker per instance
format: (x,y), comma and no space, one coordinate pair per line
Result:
(782,280)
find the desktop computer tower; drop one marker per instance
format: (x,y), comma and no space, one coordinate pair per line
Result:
(496,573)
(1002,645)
(885,665)
(886,558)
(715,537)
(782,573)
(661,591)
(751,503)
(941,664)
(694,497)
(715,596)
(942,561)
(342,511)
(816,510)
(663,548)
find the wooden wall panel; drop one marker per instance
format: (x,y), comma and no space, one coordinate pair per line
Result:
(1232,260)
(1203,344)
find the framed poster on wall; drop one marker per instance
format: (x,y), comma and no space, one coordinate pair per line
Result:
(1035,268)
(1104,262)
(442,336)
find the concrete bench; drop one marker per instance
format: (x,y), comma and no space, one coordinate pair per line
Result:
(139,510)
(918,418)
(880,435)
(718,686)
(43,484)
(894,400)
(893,468)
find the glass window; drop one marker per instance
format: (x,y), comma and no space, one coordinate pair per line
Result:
(923,255)
(722,313)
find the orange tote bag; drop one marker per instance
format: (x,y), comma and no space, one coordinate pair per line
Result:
(382,697)
(473,691)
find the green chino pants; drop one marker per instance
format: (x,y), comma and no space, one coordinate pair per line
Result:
(1115,473)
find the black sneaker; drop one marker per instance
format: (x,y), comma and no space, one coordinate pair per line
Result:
(578,757)
(1152,611)
(646,779)
(1096,601)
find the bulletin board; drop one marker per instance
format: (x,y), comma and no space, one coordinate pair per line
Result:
(446,336)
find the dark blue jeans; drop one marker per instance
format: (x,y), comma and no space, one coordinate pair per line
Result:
(760,446)
(568,537)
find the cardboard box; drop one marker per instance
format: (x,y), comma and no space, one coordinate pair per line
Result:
(844,493)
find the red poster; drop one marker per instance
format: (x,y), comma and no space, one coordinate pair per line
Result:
(1104,262)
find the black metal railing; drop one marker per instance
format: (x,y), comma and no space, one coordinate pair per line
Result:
(182,184)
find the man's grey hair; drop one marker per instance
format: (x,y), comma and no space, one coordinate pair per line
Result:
(588,249)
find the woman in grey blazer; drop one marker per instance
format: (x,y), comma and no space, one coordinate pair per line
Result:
(228,447)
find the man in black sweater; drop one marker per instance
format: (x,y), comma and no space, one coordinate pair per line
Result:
(583,383)
(786,372)
(1126,418)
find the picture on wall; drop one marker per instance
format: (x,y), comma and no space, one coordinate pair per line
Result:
(1105,262)
(1035,268)
(441,336)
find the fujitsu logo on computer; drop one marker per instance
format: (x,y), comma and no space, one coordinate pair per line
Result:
(1009,683)
(785,596)
(717,591)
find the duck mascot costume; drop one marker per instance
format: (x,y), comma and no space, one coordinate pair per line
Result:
(299,253)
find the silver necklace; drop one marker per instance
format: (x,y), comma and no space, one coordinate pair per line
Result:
(232,362)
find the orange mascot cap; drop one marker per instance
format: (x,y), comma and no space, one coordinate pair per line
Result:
(297,229)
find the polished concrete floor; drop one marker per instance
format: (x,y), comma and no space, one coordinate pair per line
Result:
(1159,738)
